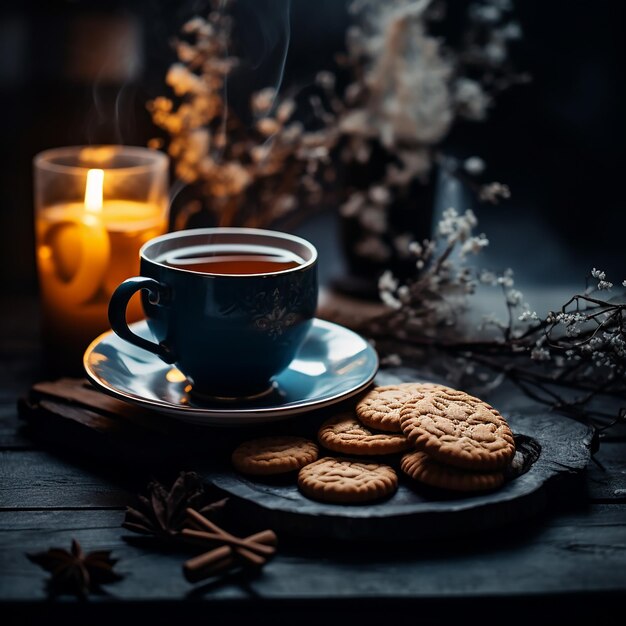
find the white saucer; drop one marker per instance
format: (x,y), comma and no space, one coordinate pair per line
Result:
(333,364)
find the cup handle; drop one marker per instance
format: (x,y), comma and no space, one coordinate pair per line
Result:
(117,313)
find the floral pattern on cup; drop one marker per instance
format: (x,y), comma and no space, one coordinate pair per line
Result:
(276,322)
(277,310)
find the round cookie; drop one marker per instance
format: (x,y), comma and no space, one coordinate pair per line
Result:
(274,455)
(380,408)
(423,469)
(457,429)
(344,433)
(346,481)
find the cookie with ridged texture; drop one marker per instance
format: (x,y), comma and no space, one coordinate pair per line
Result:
(267,456)
(380,407)
(345,434)
(423,469)
(347,481)
(457,429)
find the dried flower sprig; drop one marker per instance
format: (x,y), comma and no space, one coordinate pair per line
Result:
(252,174)
(407,89)
(565,359)
(437,293)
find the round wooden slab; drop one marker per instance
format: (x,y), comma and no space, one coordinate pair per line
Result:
(552,447)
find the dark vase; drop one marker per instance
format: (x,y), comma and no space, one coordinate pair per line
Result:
(409,214)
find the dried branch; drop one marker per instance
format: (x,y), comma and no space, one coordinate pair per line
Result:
(580,348)
(249,174)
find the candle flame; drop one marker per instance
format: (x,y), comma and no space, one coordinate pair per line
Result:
(93,191)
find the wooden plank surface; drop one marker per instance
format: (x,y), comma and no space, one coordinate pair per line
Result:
(46,499)
(11,435)
(582,551)
(19,364)
(606,478)
(37,479)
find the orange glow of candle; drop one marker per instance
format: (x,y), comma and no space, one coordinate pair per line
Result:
(90,230)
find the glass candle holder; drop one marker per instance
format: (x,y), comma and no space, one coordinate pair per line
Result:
(95,206)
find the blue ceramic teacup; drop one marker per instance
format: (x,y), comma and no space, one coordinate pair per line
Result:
(231,332)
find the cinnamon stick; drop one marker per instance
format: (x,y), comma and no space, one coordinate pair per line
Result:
(208,564)
(268,537)
(220,559)
(230,540)
(213,528)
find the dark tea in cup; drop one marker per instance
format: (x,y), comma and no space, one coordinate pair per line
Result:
(232,259)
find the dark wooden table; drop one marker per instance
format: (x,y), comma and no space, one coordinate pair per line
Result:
(568,565)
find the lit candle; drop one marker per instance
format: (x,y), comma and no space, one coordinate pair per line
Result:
(86,247)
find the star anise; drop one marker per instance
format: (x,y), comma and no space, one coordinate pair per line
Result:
(76,572)
(162,512)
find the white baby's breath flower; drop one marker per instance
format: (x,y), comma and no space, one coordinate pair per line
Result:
(263,100)
(353,205)
(528,315)
(494,192)
(540,354)
(379,195)
(404,294)
(599,274)
(182,81)
(514,297)
(470,218)
(197,25)
(293,132)
(325,79)
(471,99)
(260,153)
(387,281)
(487,277)
(573,330)
(284,204)
(416,249)
(185,52)
(474,245)
(285,110)
(474,165)
(267,126)
(506,280)
(390,300)
(198,142)
(495,51)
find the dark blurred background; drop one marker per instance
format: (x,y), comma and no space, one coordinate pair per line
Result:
(76,72)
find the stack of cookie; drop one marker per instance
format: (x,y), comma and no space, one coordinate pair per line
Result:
(351,480)
(449,440)
(461,442)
